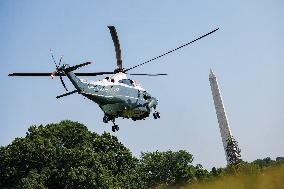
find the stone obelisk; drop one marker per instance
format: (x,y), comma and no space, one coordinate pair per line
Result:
(221,114)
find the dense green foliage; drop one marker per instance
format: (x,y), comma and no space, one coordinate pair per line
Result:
(270,178)
(65,155)
(169,169)
(233,151)
(68,155)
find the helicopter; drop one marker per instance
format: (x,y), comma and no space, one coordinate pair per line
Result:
(116,95)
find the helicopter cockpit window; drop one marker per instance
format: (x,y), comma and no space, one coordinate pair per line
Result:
(127,82)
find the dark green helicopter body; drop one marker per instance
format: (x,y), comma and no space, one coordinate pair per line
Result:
(116,95)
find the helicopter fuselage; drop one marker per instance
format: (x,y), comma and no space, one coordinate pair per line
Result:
(117,96)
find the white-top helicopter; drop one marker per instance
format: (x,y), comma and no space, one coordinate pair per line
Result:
(117,95)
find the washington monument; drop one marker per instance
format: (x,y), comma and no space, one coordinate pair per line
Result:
(227,139)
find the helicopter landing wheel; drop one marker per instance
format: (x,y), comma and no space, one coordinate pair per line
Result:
(156,115)
(115,128)
(106,118)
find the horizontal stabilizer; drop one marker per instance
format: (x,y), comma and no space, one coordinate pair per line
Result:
(66,94)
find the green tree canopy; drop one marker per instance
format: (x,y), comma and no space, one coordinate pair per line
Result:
(65,155)
(68,155)
(169,169)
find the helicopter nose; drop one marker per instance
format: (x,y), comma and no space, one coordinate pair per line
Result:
(153,103)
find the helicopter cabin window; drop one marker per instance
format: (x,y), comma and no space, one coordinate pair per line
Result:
(127,82)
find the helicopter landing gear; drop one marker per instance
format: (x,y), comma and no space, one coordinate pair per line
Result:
(106,119)
(114,127)
(156,115)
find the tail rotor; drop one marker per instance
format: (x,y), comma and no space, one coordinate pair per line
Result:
(59,70)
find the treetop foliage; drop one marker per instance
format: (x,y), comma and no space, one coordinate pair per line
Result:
(65,155)
(68,155)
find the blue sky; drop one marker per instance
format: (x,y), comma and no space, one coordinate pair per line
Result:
(246,55)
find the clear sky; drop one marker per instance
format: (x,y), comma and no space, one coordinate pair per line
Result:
(246,55)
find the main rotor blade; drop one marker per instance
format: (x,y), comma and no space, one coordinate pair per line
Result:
(94,73)
(171,50)
(149,74)
(116,46)
(35,74)
(60,74)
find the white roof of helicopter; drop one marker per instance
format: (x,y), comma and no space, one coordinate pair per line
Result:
(119,76)
(114,80)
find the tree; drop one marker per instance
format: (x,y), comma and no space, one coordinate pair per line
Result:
(233,151)
(168,169)
(268,162)
(242,168)
(280,159)
(217,172)
(66,155)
